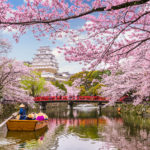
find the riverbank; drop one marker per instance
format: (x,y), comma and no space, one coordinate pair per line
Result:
(141,109)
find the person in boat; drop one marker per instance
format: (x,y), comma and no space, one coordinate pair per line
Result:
(40,116)
(45,117)
(30,117)
(22,112)
(34,115)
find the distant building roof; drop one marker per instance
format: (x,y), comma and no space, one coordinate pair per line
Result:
(27,62)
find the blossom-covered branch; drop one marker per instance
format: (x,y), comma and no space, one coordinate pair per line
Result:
(112,30)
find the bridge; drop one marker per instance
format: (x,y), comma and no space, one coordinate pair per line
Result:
(43,100)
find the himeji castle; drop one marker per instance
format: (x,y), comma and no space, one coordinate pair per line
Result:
(45,62)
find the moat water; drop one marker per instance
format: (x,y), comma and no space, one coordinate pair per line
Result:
(83,128)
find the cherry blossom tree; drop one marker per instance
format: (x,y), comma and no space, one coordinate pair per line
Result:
(129,75)
(50,90)
(72,91)
(17,94)
(10,75)
(113,29)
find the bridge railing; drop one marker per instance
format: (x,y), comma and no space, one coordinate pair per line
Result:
(67,98)
(75,98)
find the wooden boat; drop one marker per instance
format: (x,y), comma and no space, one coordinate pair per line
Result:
(26,125)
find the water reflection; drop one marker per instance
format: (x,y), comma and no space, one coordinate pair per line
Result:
(79,130)
(26,139)
(25,136)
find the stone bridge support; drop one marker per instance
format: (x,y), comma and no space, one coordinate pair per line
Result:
(43,106)
(70,105)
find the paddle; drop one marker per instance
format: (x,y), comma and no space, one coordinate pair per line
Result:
(13,115)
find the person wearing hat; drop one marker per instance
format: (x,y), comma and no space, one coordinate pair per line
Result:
(45,117)
(30,117)
(40,117)
(22,112)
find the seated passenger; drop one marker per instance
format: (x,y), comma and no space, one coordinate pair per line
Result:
(40,116)
(45,117)
(30,117)
(22,112)
(34,115)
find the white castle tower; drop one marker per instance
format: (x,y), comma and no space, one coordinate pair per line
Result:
(46,63)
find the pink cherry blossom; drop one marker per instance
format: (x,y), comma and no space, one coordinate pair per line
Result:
(50,89)
(72,90)
(129,75)
(11,72)
(113,29)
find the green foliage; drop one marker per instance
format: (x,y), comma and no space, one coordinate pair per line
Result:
(34,83)
(94,89)
(26,64)
(139,109)
(69,83)
(135,122)
(59,85)
(89,86)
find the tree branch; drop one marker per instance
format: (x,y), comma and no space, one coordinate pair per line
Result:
(101,9)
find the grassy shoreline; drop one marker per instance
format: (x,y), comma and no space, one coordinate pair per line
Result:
(140,109)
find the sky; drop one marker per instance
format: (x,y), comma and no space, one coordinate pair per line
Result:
(27,46)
